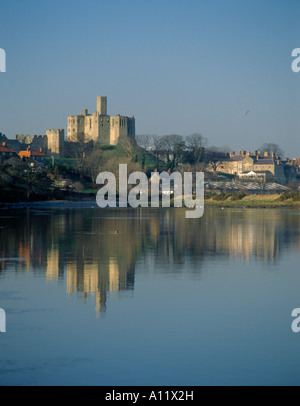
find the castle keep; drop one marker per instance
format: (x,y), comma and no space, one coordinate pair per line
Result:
(99,126)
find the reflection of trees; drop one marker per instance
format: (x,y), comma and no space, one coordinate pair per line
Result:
(96,251)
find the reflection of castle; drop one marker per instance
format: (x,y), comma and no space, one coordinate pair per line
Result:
(89,279)
(82,248)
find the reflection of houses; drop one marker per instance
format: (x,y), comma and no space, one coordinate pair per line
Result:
(266,166)
(52,270)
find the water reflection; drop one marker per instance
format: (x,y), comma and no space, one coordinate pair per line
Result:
(96,251)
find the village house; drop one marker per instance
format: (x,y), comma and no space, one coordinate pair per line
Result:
(6,153)
(258,166)
(294,165)
(34,156)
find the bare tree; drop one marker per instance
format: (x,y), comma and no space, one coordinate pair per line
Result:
(128,145)
(157,142)
(79,150)
(173,147)
(94,163)
(195,148)
(144,141)
(214,157)
(36,182)
(272,149)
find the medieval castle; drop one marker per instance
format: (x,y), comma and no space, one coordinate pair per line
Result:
(98,127)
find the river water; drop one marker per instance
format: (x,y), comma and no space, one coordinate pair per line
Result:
(118,297)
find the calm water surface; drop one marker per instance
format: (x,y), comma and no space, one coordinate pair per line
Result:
(147,297)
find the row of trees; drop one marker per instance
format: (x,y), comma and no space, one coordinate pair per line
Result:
(192,149)
(173,150)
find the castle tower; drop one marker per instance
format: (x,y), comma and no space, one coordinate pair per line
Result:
(102,105)
(56,142)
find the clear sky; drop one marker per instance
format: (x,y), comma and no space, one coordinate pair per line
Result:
(177,66)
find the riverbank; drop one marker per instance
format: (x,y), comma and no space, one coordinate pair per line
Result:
(81,200)
(254,201)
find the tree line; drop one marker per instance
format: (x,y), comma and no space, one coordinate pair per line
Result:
(193,150)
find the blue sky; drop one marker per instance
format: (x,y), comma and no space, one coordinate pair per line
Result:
(179,67)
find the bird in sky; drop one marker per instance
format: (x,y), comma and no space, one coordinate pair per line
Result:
(247,112)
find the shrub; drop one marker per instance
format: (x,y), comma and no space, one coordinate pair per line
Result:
(222,196)
(210,195)
(238,196)
(289,195)
(78,187)
(296,197)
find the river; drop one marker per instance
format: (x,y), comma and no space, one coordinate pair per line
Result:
(118,297)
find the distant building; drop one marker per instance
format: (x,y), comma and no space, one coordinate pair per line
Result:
(55,142)
(292,169)
(266,166)
(13,144)
(256,176)
(99,126)
(6,153)
(32,155)
(36,142)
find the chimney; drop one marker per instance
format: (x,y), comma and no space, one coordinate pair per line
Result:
(266,154)
(41,149)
